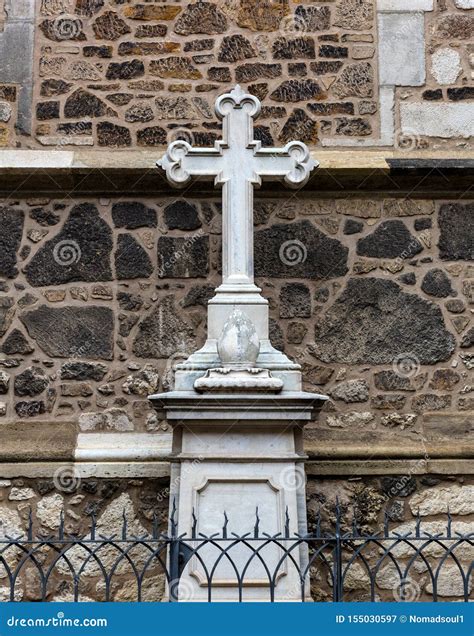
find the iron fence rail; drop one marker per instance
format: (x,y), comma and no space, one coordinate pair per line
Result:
(330,559)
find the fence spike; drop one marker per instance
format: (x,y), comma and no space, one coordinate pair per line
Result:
(224,527)
(385,523)
(124,525)
(256,528)
(338,517)
(287,524)
(194,526)
(61,526)
(174,527)
(30,525)
(448,524)
(418,523)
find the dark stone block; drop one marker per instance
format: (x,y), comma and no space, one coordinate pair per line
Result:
(321,295)
(296,332)
(162,333)
(299,125)
(293,48)
(84,104)
(7,311)
(182,215)
(353,227)
(298,250)
(81,371)
(324,68)
(120,99)
(199,45)
(151,31)
(131,260)
(256,70)
(125,70)
(110,26)
(132,215)
(113,136)
(423,224)
(30,409)
(325,110)
(103,51)
(75,128)
(198,295)
(129,302)
(455,306)
(88,7)
(327,50)
(47,110)
(310,19)
(456,224)
(152,136)
(183,257)
(388,402)
(16,343)
(373,322)
(467,341)
(62,29)
(72,332)
(53,87)
(408,279)
(298,90)
(264,135)
(201,17)
(436,283)
(295,301)
(457,94)
(391,239)
(297,69)
(402,486)
(31,382)
(353,127)
(235,48)
(276,335)
(433,95)
(11,232)
(79,252)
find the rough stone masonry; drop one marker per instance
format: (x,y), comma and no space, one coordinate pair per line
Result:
(102,292)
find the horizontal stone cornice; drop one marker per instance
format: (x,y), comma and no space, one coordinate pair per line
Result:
(82,172)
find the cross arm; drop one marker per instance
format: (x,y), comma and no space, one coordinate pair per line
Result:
(182,162)
(292,163)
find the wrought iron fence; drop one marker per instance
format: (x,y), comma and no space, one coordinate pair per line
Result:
(433,560)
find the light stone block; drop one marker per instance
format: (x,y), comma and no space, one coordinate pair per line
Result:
(401,49)
(446,65)
(405,6)
(437,120)
(464,4)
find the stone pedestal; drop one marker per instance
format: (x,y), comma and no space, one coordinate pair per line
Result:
(234,454)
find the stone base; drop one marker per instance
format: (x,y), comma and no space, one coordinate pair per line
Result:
(237,457)
(237,381)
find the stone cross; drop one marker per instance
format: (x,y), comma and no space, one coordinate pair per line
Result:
(238,163)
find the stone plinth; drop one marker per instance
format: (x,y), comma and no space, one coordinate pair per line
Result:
(232,454)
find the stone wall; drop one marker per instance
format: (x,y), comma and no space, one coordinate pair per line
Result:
(121,74)
(138,501)
(101,298)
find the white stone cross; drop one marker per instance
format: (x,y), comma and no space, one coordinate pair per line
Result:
(238,163)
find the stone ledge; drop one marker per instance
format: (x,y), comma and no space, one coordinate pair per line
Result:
(89,172)
(338,468)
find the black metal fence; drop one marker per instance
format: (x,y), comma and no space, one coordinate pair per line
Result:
(425,563)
